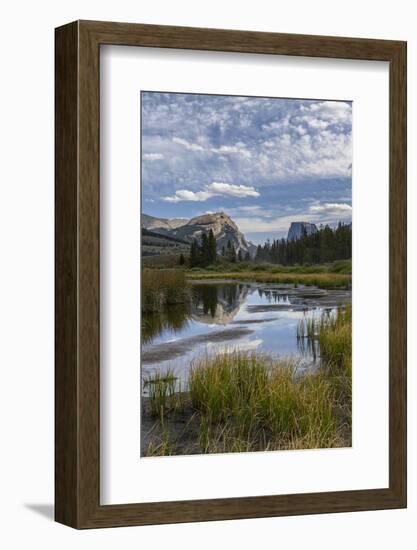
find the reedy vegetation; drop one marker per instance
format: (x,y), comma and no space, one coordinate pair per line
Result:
(322,280)
(248,402)
(163,287)
(224,265)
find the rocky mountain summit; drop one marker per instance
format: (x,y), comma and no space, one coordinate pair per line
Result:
(224,230)
(299,229)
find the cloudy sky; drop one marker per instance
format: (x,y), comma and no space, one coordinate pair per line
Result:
(264,161)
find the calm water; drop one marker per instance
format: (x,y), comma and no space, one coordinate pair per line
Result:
(226,316)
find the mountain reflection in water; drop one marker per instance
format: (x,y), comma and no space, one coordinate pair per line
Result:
(230,315)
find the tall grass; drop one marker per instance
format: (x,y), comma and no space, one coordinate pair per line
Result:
(335,337)
(322,280)
(332,333)
(223,266)
(162,287)
(161,388)
(164,394)
(248,402)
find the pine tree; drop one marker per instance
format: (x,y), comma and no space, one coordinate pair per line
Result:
(205,253)
(181,260)
(239,256)
(233,253)
(212,247)
(194,254)
(258,257)
(247,257)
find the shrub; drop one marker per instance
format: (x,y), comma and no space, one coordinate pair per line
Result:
(162,287)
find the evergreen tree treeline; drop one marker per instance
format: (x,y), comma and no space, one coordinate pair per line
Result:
(231,251)
(203,254)
(326,245)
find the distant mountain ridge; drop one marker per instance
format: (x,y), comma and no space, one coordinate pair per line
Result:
(150,222)
(165,236)
(222,225)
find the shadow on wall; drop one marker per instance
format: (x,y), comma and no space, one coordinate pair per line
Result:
(45,510)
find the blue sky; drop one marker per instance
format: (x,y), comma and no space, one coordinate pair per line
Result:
(264,161)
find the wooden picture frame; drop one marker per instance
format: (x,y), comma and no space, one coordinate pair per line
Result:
(77,359)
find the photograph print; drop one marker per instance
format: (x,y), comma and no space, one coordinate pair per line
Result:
(246,274)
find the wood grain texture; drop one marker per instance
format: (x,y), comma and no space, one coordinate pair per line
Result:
(66,238)
(398,273)
(78,284)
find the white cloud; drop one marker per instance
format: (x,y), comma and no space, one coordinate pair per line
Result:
(153,156)
(187,144)
(315,123)
(185,195)
(213,190)
(333,111)
(230,189)
(237,149)
(331,207)
(253,208)
(320,115)
(225,149)
(322,154)
(221,138)
(260,225)
(313,140)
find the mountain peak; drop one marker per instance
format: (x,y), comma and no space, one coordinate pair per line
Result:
(212,217)
(298,229)
(223,227)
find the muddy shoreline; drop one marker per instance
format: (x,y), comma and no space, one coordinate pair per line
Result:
(164,352)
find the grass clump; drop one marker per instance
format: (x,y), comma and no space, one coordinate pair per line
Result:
(161,388)
(332,336)
(163,287)
(335,337)
(225,384)
(248,402)
(164,394)
(333,332)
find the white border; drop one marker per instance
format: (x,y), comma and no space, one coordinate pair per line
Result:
(124,476)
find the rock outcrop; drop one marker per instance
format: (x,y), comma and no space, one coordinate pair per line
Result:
(222,225)
(299,229)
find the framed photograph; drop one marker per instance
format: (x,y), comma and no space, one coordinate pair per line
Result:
(230,274)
